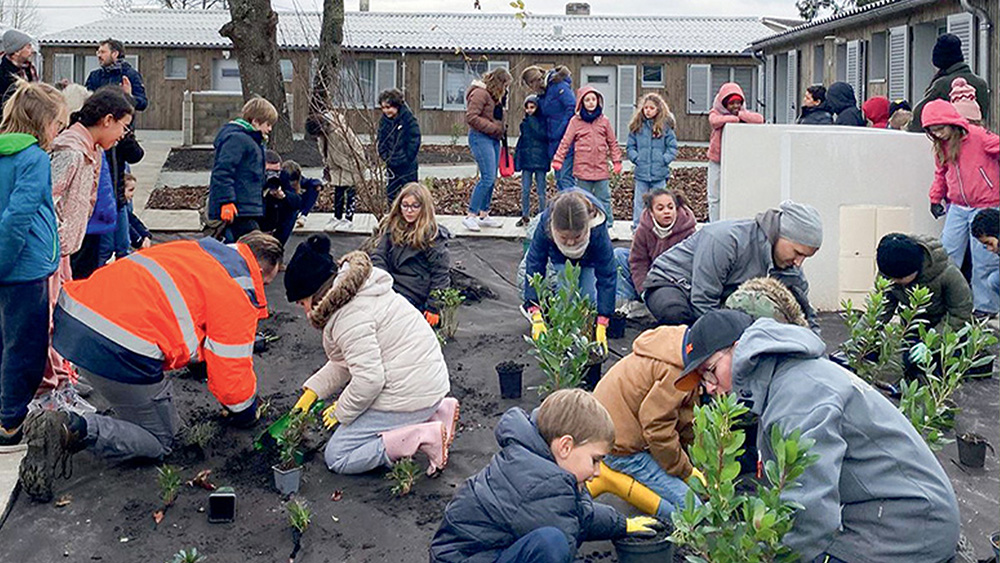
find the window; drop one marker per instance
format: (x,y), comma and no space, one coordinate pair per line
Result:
(175,68)
(877,57)
(842,62)
(457,77)
(704,82)
(652,76)
(819,64)
(287,70)
(63,67)
(362,80)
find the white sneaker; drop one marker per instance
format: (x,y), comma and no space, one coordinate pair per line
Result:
(345,226)
(471,223)
(490,222)
(333,224)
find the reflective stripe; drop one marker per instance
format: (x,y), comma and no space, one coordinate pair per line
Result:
(181,312)
(238,407)
(234,351)
(108,329)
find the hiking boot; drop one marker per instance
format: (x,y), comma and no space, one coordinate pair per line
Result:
(522,222)
(13,437)
(52,437)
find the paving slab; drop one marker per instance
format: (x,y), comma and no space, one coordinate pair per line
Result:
(10,462)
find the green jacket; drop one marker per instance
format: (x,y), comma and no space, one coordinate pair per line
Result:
(940,89)
(951,298)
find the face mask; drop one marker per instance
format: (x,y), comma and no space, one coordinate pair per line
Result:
(577,251)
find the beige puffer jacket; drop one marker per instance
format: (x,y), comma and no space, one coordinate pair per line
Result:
(381,351)
(343,154)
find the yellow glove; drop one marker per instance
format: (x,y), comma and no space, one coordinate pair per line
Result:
(537,325)
(602,337)
(696,474)
(305,401)
(643,526)
(329,420)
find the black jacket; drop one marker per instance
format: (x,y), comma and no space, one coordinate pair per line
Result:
(521,490)
(126,151)
(112,74)
(9,73)
(841,101)
(816,115)
(532,151)
(238,171)
(415,273)
(399,141)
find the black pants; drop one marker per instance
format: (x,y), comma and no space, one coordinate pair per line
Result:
(239,227)
(87,259)
(24,345)
(279,217)
(396,182)
(670,305)
(343,202)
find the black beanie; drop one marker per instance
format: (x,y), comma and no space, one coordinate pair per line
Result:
(309,268)
(898,256)
(947,51)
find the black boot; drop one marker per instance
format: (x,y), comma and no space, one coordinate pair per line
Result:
(52,437)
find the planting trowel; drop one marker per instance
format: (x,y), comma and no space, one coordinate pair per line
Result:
(271,433)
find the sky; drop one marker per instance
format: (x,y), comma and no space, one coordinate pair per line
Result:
(57,15)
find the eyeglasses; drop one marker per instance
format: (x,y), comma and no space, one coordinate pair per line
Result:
(708,373)
(410,206)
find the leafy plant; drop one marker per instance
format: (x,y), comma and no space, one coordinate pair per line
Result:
(187,556)
(731,528)
(565,348)
(299,517)
(457,129)
(200,435)
(448,301)
(290,439)
(404,475)
(169,480)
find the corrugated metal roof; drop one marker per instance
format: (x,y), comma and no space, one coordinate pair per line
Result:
(476,32)
(862,13)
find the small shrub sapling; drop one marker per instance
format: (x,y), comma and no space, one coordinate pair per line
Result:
(404,475)
(169,480)
(200,435)
(290,440)
(448,301)
(187,556)
(299,517)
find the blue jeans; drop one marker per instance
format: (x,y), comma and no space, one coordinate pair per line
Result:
(602,191)
(24,346)
(644,469)
(588,280)
(994,282)
(955,237)
(526,177)
(625,289)
(486,151)
(308,201)
(641,189)
(541,545)
(564,176)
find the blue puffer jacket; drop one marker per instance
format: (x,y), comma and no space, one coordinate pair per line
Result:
(238,172)
(532,146)
(599,256)
(558,105)
(112,74)
(105,216)
(652,155)
(521,490)
(29,240)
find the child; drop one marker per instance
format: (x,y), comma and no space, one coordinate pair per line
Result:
(531,158)
(234,191)
(652,146)
(592,139)
(126,152)
(307,188)
(900,115)
(666,221)
(343,160)
(967,179)
(814,110)
(100,226)
(398,142)
(29,247)
(840,97)
(528,503)
(412,249)
(963,97)
(139,235)
(281,200)
(986,228)
(726,108)
(876,111)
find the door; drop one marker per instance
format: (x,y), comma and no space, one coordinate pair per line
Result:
(602,79)
(226,75)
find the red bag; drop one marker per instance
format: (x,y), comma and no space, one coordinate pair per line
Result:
(506,158)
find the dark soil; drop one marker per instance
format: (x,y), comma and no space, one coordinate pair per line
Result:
(305,152)
(509,367)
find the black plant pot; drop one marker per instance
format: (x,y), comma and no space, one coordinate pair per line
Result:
(972,450)
(591,376)
(658,549)
(222,505)
(748,461)
(510,379)
(616,326)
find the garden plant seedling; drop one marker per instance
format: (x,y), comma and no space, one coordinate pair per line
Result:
(288,472)
(200,435)
(187,556)
(404,475)
(169,479)
(448,301)
(299,517)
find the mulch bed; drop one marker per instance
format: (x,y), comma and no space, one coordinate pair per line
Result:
(451,195)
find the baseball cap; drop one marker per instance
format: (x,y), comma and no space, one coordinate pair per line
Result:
(714,331)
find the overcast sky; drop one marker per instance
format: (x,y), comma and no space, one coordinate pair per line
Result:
(62,14)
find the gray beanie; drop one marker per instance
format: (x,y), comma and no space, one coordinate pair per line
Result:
(14,41)
(800,223)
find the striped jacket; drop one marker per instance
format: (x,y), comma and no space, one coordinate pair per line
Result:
(163,308)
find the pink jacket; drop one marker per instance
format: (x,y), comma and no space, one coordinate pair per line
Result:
(76,168)
(974,181)
(719,116)
(591,142)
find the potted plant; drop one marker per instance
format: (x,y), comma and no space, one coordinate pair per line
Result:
(299,516)
(448,301)
(616,325)
(510,379)
(198,437)
(656,549)
(972,449)
(288,471)
(404,474)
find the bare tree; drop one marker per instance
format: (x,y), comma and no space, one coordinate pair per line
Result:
(122,6)
(21,15)
(112,7)
(809,9)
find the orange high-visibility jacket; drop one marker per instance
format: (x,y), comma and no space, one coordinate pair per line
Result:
(165,307)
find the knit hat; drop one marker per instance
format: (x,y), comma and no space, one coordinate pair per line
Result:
(14,41)
(531,99)
(898,256)
(963,97)
(897,105)
(309,268)
(947,51)
(800,223)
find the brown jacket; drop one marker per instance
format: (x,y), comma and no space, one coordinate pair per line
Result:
(479,106)
(343,154)
(648,412)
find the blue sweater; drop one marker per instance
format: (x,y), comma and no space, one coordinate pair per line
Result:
(652,155)
(105,216)
(29,241)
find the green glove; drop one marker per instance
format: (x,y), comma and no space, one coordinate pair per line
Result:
(643,526)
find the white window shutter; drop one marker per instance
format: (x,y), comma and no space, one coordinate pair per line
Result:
(385,75)
(627,75)
(899,62)
(769,101)
(698,90)
(793,85)
(961,25)
(431,84)
(854,67)
(63,67)
(490,65)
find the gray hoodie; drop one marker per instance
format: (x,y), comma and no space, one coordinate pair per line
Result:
(877,494)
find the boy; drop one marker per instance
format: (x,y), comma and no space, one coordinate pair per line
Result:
(986,228)
(234,192)
(528,504)
(306,188)
(531,158)
(814,110)
(139,235)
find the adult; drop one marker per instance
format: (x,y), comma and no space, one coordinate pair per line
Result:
(557,102)
(114,69)
(158,310)
(947,57)
(814,108)
(876,492)
(695,276)
(841,101)
(17,62)
(398,142)
(485,102)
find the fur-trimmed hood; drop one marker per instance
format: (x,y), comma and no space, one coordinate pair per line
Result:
(356,276)
(767,297)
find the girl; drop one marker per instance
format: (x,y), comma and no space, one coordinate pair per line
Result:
(343,161)
(967,180)
(727,108)
(29,245)
(398,141)
(412,249)
(652,146)
(531,158)
(484,104)
(557,104)
(666,221)
(382,357)
(100,226)
(573,229)
(592,139)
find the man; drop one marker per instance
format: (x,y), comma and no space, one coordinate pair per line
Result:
(947,57)
(814,110)
(876,492)
(697,275)
(115,70)
(155,311)
(18,54)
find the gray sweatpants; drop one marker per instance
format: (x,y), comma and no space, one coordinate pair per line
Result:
(145,422)
(357,447)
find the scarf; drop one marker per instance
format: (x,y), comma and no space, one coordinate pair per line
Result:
(590,116)
(574,252)
(663,232)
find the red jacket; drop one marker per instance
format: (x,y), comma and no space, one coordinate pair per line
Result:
(973,181)
(163,308)
(719,116)
(876,110)
(591,142)
(646,246)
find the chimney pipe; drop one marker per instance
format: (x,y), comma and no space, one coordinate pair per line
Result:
(365,5)
(577,9)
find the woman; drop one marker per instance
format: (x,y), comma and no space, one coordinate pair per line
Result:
(484,106)
(557,104)
(383,359)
